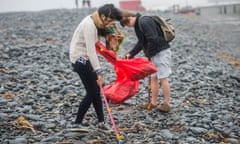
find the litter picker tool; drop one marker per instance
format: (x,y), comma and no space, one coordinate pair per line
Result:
(149,93)
(149,90)
(118,136)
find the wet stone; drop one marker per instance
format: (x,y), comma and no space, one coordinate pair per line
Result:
(35,68)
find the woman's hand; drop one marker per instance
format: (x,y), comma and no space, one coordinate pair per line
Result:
(100,81)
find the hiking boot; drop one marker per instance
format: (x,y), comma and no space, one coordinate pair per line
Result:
(164,108)
(76,125)
(78,128)
(148,106)
(82,123)
(103,126)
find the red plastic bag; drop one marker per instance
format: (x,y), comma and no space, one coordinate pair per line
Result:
(120,91)
(109,55)
(135,69)
(128,71)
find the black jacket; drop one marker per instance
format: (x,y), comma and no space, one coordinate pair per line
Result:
(150,37)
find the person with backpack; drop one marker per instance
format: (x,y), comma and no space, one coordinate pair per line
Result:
(157,49)
(84,59)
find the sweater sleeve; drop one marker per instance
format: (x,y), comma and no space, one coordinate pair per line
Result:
(90,35)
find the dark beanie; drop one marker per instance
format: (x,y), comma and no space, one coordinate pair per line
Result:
(109,10)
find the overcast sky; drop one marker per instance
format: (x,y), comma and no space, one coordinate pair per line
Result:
(36,5)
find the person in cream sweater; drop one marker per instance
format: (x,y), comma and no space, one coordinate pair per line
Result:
(84,59)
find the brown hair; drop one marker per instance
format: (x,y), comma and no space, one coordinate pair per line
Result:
(128,14)
(109,10)
(125,14)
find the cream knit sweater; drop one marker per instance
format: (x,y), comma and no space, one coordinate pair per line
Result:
(83,43)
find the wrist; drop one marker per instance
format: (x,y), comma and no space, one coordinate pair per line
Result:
(98,71)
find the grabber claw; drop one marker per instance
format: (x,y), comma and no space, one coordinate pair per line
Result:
(149,106)
(118,137)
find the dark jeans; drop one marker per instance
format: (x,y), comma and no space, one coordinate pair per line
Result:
(89,77)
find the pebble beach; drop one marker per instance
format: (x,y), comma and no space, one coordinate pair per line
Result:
(40,94)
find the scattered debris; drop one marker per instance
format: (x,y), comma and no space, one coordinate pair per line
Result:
(8,95)
(22,123)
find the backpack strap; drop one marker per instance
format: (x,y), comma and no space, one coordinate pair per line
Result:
(166,28)
(139,25)
(139,19)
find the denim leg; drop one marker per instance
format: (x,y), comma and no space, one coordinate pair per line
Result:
(88,78)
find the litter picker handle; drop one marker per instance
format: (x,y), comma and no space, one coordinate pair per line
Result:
(149,90)
(149,93)
(118,136)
